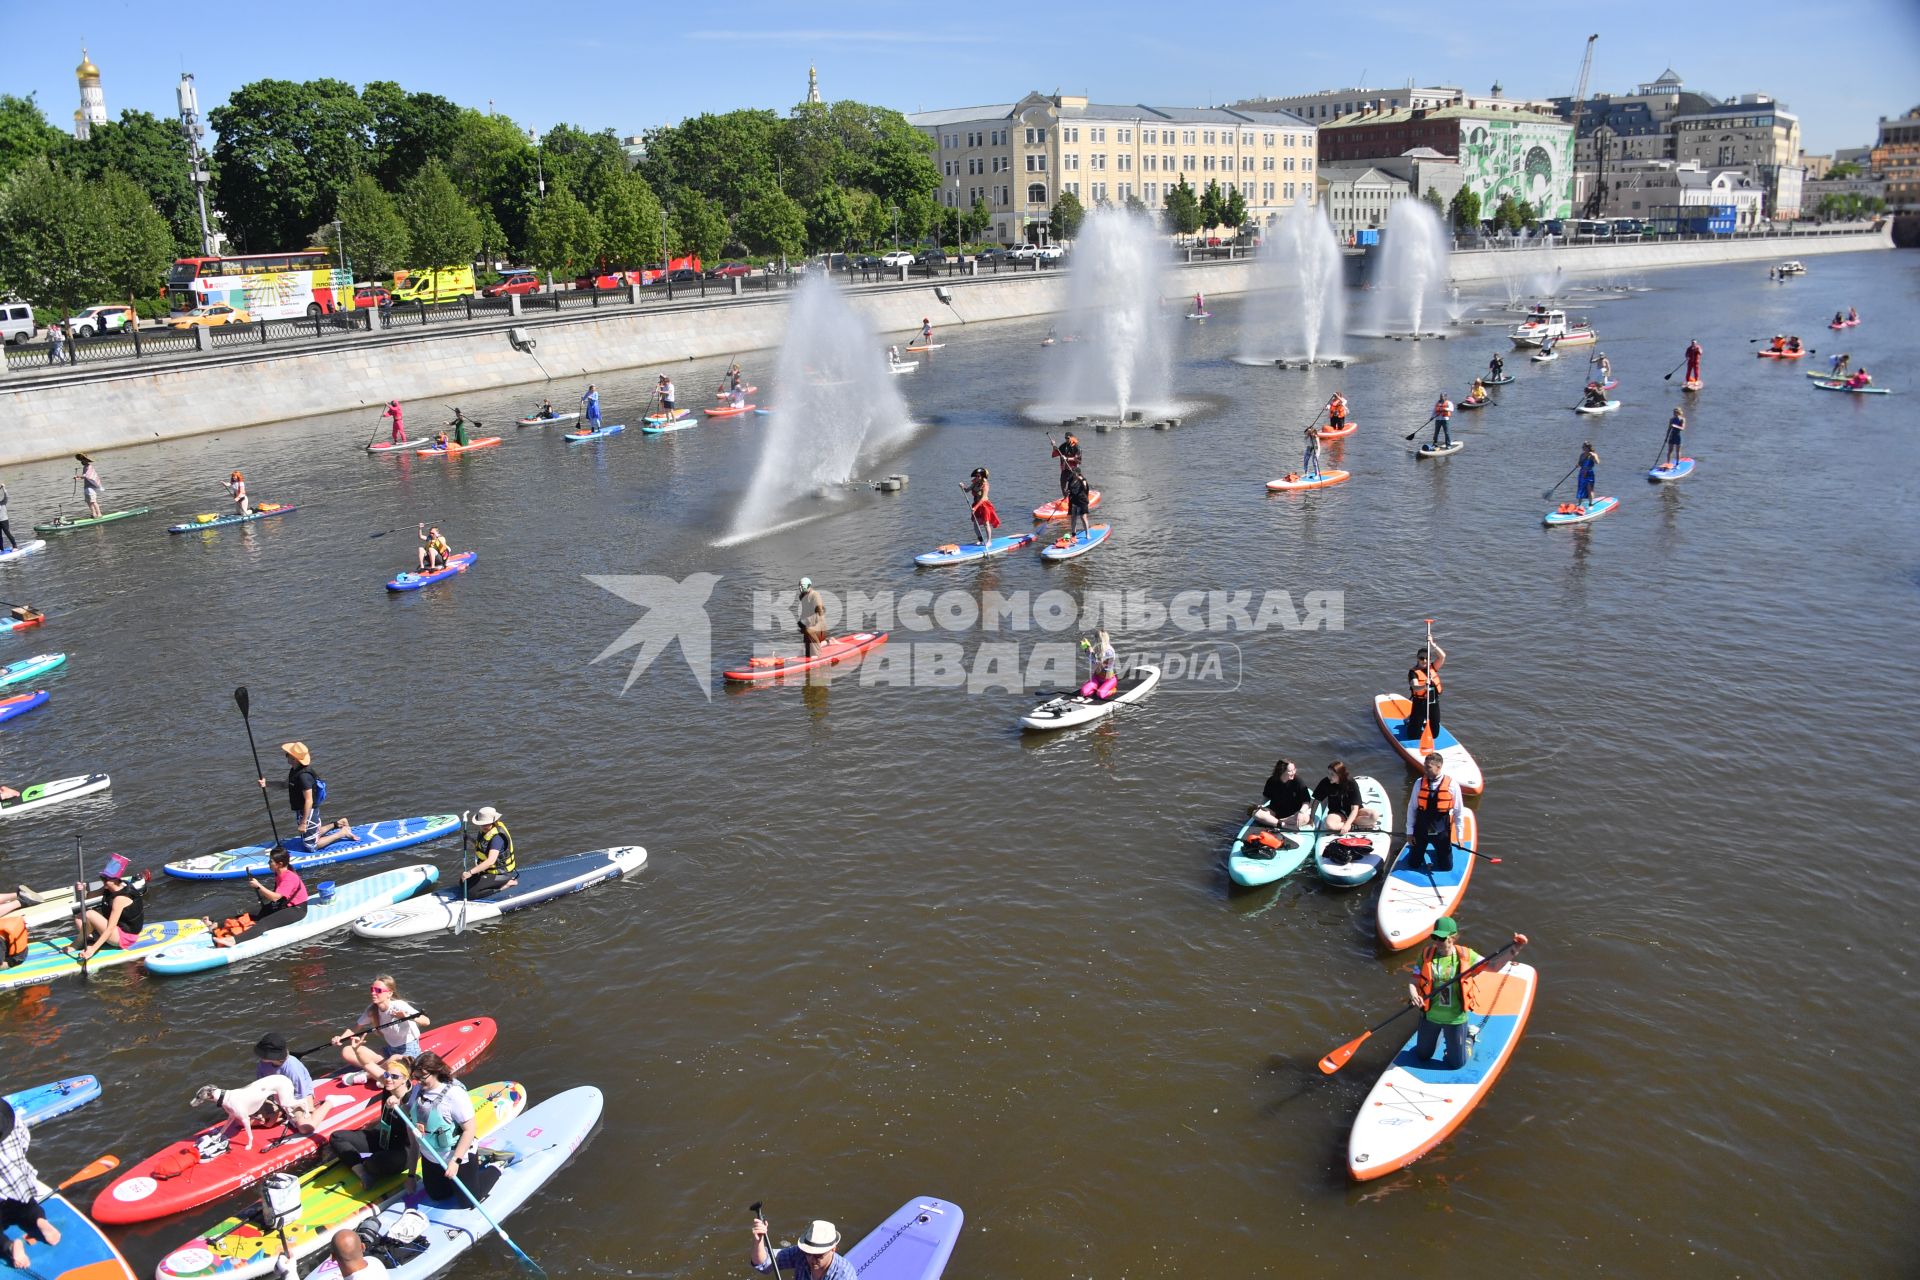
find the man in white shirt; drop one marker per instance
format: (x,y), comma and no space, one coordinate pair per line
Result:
(351,1252)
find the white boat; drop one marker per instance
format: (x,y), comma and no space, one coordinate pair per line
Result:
(1792,267)
(1544,322)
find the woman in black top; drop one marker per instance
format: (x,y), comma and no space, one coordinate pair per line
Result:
(1288,803)
(1340,794)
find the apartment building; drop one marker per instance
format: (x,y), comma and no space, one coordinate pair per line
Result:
(1754,132)
(1896,157)
(1019,157)
(1330,104)
(1503,149)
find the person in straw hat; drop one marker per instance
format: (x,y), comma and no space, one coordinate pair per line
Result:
(493,866)
(306,793)
(815,1256)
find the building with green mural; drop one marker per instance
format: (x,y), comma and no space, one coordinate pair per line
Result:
(1502,148)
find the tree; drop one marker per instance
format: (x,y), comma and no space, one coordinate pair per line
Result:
(1525,214)
(66,242)
(1210,212)
(977,220)
(136,243)
(629,217)
(1845,169)
(1183,209)
(563,236)
(1066,216)
(773,224)
(1465,209)
(442,228)
(409,129)
(373,234)
(728,157)
(1434,201)
(152,152)
(871,221)
(829,219)
(285,153)
(1506,214)
(1233,208)
(699,227)
(25,135)
(918,215)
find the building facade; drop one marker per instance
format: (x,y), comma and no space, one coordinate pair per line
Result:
(1754,132)
(93,99)
(1330,104)
(1018,158)
(1520,152)
(1657,190)
(1896,157)
(1356,197)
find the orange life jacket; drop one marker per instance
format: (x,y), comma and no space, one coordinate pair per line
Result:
(13,933)
(1422,678)
(1442,407)
(1426,983)
(1337,406)
(1429,800)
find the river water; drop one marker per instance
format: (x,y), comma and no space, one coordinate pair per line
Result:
(887,947)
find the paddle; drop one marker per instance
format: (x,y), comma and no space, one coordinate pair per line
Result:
(1339,1057)
(105,1164)
(80,904)
(478,1208)
(245,704)
(1674,370)
(460,925)
(1562,480)
(754,1209)
(1422,427)
(378,1026)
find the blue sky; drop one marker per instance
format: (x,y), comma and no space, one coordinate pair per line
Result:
(1840,64)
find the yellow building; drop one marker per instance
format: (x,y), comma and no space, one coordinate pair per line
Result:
(1018,158)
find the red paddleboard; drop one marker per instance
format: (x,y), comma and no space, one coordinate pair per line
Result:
(485,442)
(14,624)
(1057,509)
(836,649)
(1337,433)
(172,1180)
(728,412)
(1781,355)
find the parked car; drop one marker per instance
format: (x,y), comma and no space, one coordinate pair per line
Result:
(684,275)
(521,282)
(433,284)
(867,262)
(728,270)
(1024,252)
(932,259)
(371,295)
(1050,252)
(210,317)
(996,254)
(1213,242)
(898,258)
(17,324)
(110,318)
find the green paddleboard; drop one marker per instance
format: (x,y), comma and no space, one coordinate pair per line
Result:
(65,523)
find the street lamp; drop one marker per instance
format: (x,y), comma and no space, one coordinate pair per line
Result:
(666,254)
(539,172)
(339,245)
(956,213)
(895,210)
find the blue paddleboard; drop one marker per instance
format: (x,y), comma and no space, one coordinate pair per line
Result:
(375,838)
(414,581)
(83,1253)
(21,703)
(1078,545)
(578,437)
(914,1243)
(41,1104)
(967,552)
(1671,471)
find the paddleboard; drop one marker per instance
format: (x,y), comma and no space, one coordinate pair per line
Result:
(1363,866)
(1544,357)
(56,905)
(456,564)
(1441,450)
(1610,384)
(1390,712)
(1692,384)
(1472,404)
(1858,391)
(484,442)
(654,428)
(84,1252)
(332,1198)
(1336,433)
(1844,324)
(903,367)
(598,433)
(21,703)
(64,524)
(1057,509)
(1574,513)
(56,957)
(1416,1103)
(221,522)
(1826,373)
(349,902)
(657,419)
(837,649)
(374,838)
(1252,864)
(538,421)
(1070,710)
(1500,381)
(1608,407)
(24,549)
(1199,315)
(914,1242)
(1410,901)
(1318,480)
(537,1145)
(1780,355)
(931,346)
(724,392)
(1671,470)
(735,411)
(1068,546)
(151,1189)
(541,882)
(967,552)
(43,795)
(399,446)
(18,624)
(42,1103)
(28,668)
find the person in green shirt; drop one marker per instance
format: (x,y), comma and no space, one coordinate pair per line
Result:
(1440,992)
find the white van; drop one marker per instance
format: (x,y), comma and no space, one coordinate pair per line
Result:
(16,323)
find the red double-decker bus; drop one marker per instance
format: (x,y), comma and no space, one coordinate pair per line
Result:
(267,286)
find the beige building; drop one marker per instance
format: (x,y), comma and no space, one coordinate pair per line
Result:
(1331,104)
(1018,158)
(1357,196)
(1755,132)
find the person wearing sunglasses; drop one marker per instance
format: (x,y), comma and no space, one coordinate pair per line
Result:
(397,1022)
(387,1148)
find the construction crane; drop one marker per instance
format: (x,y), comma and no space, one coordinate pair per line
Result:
(1579,105)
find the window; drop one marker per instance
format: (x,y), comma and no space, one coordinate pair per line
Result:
(1149,162)
(1036,136)
(1246,190)
(1099,192)
(1289,191)
(1069,135)
(1070,161)
(1126,192)
(1166,162)
(1123,162)
(1036,191)
(1268,139)
(1306,164)
(1036,164)
(1096,135)
(1072,188)
(1124,135)
(1266,163)
(1097,161)
(1246,164)
(1186,137)
(1149,136)
(1186,162)
(1266,192)
(1288,166)
(1151,191)
(1206,163)
(1208,137)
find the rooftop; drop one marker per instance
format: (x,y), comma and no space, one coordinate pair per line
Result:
(1077,109)
(1403,115)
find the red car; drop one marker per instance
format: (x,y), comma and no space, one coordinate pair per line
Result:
(727,269)
(518,282)
(372,296)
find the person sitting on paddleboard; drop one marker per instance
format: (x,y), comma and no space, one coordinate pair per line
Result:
(282,903)
(1853,316)
(1861,378)
(1068,451)
(980,507)
(433,549)
(1105,677)
(1838,319)
(1546,345)
(306,793)
(1423,690)
(591,400)
(1595,398)
(811,611)
(1693,360)
(1079,499)
(272,1059)
(815,1257)
(1477,392)
(1431,816)
(1793,344)
(926,331)
(1676,425)
(398,1023)
(1442,421)
(1778,344)
(1336,411)
(387,1148)
(738,396)
(236,485)
(545,410)
(89,478)
(398,431)
(122,912)
(1445,998)
(1284,800)
(439,1107)
(1496,367)
(1339,795)
(893,356)
(1583,485)
(493,866)
(20,1192)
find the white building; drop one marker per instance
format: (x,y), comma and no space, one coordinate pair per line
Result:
(1656,190)
(93,99)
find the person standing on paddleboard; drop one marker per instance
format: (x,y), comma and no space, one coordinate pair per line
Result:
(1496,367)
(1430,818)
(122,912)
(20,1192)
(237,487)
(493,866)
(306,793)
(1068,451)
(1439,991)
(1606,369)
(440,1108)
(1339,795)
(398,429)
(815,1256)
(1336,411)
(459,425)
(433,549)
(1676,426)
(811,612)
(980,506)
(1693,360)
(1423,690)
(926,331)
(89,478)
(1442,422)
(1079,500)
(6,528)
(1285,801)
(1583,485)
(1310,460)
(592,402)
(668,397)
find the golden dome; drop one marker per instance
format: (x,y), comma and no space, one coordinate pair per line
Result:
(86,70)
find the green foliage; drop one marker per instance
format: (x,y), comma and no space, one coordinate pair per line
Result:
(871,220)
(1434,202)
(153,152)
(728,157)
(918,213)
(829,220)
(25,135)
(977,219)
(1183,209)
(409,129)
(1507,215)
(1525,214)
(773,224)
(374,234)
(629,215)
(285,154)
(1211,213)
(135,244)
(442,228)
(1845,169)
(563,236)
(1233,208)
(1066,216)
(698,227)
(1464,208)
(67,242)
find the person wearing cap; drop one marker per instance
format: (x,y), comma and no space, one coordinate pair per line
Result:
(1079,502)
(1423,690)
(1446,999)
(274,1060)
(493,866)
(1431,816)
(20,1191)
(393,411)
(122,912)
(282,903)
(1605,367)
(811,611)
(306,793)
(815,1255)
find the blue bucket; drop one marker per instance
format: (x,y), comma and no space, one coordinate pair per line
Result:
(323,892)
